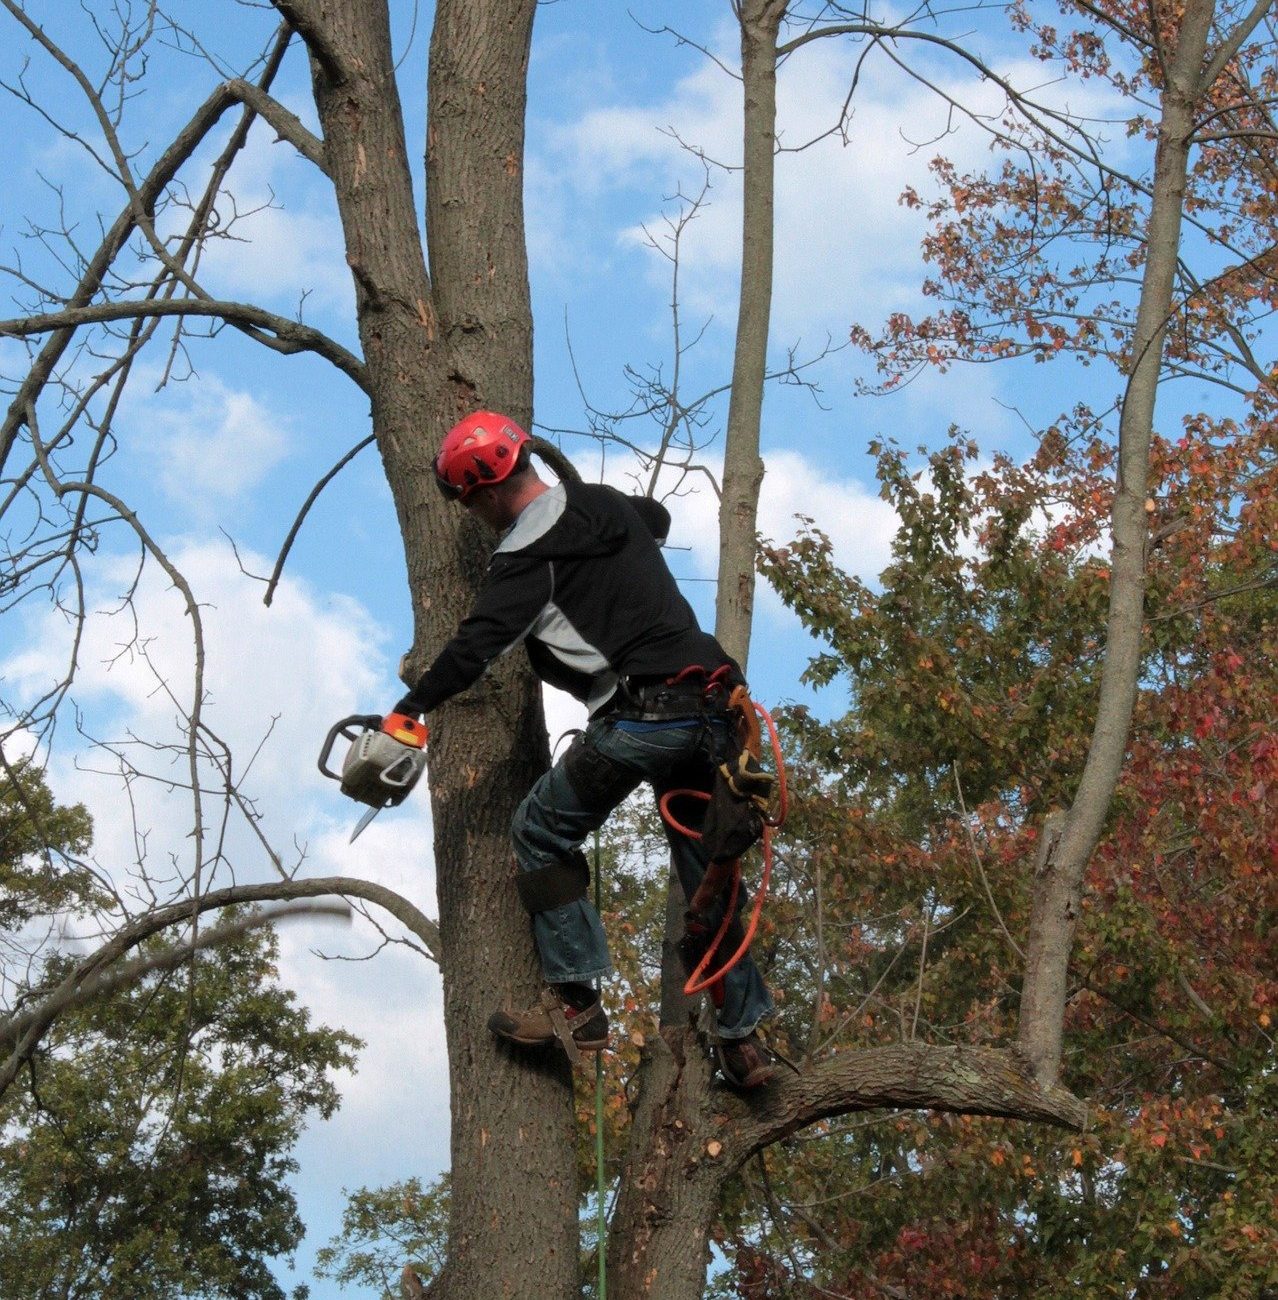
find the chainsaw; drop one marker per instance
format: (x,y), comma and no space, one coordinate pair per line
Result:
(386,759)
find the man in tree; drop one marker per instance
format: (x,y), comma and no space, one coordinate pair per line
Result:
(579,578)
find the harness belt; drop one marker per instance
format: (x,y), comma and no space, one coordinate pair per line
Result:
(691,693)
(549,887)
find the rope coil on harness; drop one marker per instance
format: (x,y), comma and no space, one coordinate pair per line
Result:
(745,783)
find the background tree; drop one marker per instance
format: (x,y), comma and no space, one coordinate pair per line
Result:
(41,848)
(147,1143)
(975,669)
(1007,267)
(386,1230)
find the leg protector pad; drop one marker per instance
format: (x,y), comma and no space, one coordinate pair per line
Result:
(545,888)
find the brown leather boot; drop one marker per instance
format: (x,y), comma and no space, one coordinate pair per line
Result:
(744,1062)
(535,1027)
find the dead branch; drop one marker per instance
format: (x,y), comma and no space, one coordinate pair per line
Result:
(312,497)
(36,1022)
(285,335)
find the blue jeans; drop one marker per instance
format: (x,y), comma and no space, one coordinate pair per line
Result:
(559,813)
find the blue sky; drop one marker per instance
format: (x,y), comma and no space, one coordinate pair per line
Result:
(232,451)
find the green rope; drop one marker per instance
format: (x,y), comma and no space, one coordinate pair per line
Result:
(602,1228)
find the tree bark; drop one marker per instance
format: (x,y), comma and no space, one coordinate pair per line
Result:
(1058,884)
(658,1241)
(436,347)
(742,467)
(513,1218)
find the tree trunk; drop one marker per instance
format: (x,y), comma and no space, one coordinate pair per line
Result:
(669,1194)
(437,347)
(742,466)
(513,1217)
(1058,882)
(658,1242)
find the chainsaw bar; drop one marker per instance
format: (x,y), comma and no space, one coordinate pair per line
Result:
(362,823)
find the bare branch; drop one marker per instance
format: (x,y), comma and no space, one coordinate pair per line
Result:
(287,125)
(125,973)
(313,496)
(37,1022)
(285,335)
(980,867)
(148,192)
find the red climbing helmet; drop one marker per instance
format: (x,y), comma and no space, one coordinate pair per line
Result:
(482,450)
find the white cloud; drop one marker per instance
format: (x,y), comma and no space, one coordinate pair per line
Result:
(845,248)
(211,444)
(290,670)
(19,746)
(281,249)
(858,522)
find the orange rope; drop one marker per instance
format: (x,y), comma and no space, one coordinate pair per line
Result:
(698,981)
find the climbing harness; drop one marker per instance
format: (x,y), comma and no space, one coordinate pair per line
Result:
(739,814)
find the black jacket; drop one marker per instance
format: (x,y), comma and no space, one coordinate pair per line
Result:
(580,579)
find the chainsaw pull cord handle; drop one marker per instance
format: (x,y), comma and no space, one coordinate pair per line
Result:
(698,981)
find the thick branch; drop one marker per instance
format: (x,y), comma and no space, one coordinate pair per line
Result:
(1232,43)
(295,336)
(183,146)
(1058,888)
(742,466)
(305,19)
(909,1076)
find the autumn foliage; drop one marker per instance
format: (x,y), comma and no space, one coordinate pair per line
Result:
(972,671)
(972,674)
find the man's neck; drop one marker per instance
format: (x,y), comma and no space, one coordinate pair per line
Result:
(525,497)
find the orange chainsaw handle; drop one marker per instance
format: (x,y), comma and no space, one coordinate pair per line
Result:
(406,729)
